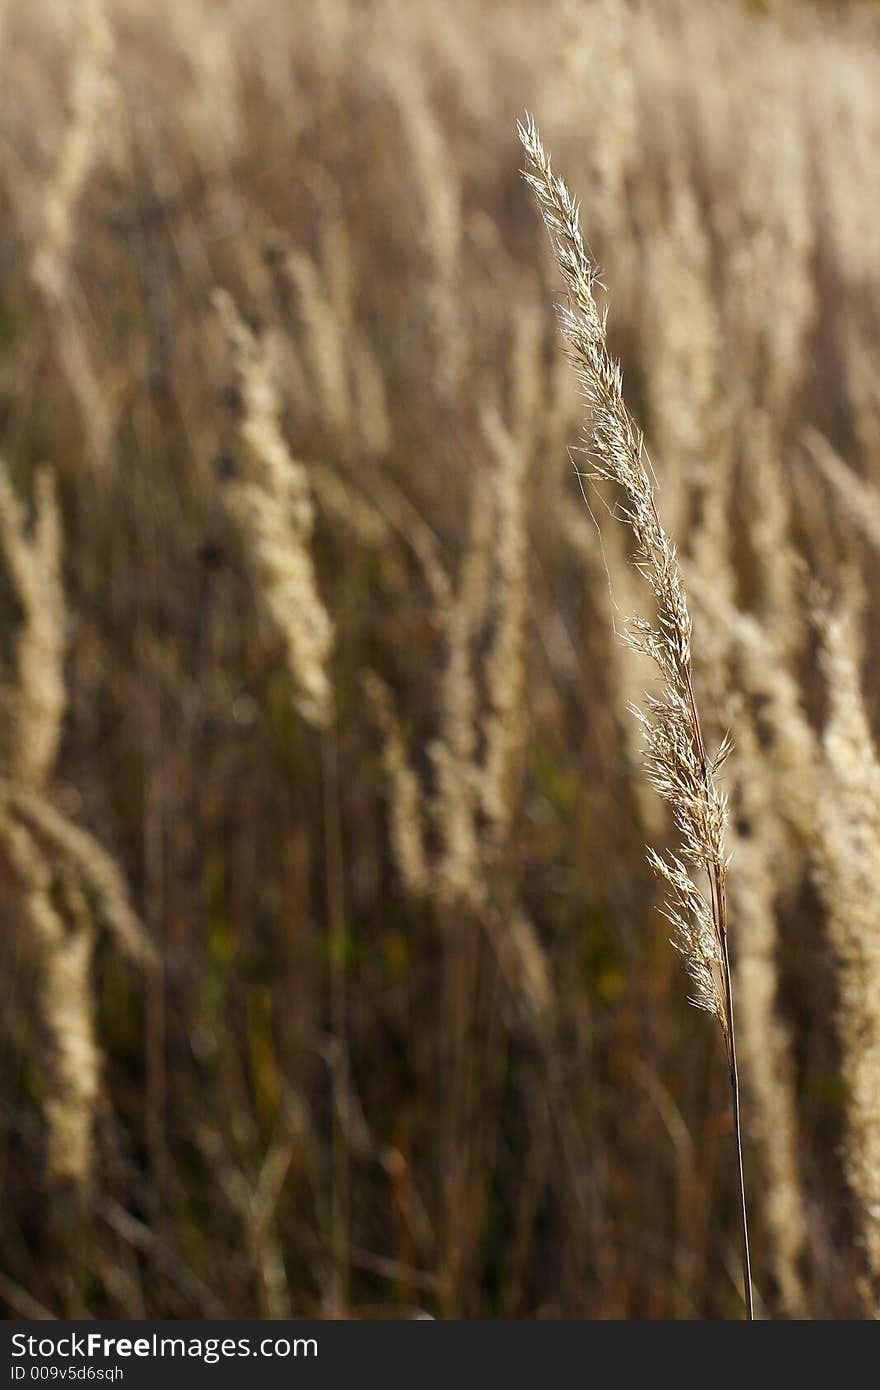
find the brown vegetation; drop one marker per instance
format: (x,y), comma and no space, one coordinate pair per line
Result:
(332,979)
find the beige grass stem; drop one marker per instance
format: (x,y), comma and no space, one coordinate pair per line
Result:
(676,760)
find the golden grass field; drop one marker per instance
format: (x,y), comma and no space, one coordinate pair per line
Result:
(332,976)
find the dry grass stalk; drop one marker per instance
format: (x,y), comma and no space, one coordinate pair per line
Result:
(474,775)
(67,1008)
(333,375)
(601,548)
(863,391)
(407,833)
(39,839)
(87,863)
(758,841)
(685,364)
(793,766)
(34,561)
(91,84)
(676,759)
(764,1037)
(85,140)
(271,503)
(439,194)
(849,864)
(781,570)
(860,500)
(255,1203)
(348,508)
(324,338)
(771,289)
(528,375)
(505,667)
(454,754)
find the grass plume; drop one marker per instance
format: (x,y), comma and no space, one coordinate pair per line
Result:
(676,759)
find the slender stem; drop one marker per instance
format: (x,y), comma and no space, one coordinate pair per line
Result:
(737,1131)
(719,910)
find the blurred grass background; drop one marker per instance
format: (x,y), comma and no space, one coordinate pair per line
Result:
(476,1089)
